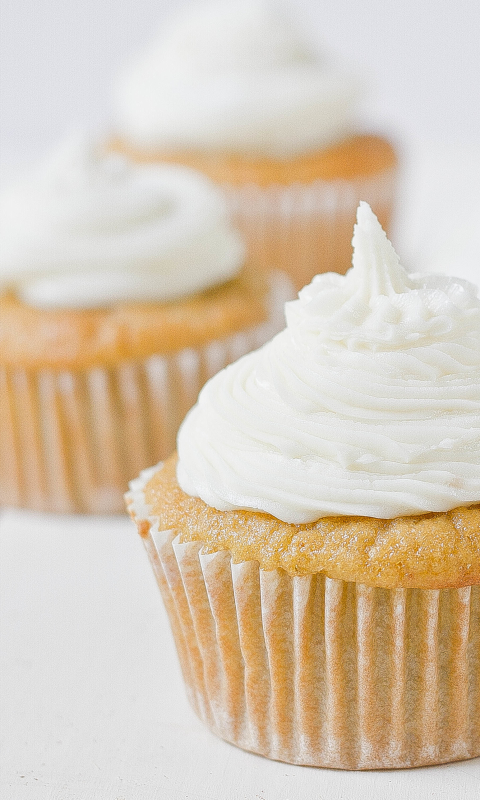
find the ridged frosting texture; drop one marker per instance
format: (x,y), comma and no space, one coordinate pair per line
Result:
(236,77)
(90,229)
(368,403)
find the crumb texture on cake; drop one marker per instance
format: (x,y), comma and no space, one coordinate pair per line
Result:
(77,339)
(428,551)
(359,156)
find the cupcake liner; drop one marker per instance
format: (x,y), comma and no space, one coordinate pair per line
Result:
(305,229)
(322,672)
(71,440)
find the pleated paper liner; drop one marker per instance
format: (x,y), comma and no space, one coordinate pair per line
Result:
(321,672)
(305,229)
(70,441)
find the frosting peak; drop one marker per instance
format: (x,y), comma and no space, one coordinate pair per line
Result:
(377,305)
(91,229)
(236,77)
(368,403)
(377,266)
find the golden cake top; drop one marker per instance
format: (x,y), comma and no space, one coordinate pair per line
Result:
(76,339)
(358,156)
(428,551)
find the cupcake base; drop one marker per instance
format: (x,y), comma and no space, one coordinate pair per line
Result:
(321,672)
(297,214)
(306,229)
(70,440)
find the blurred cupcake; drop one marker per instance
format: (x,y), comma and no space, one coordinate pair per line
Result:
(234,90)
(122,289)
(317,543)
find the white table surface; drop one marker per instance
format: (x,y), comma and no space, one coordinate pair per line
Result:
(92,702)
(92,705)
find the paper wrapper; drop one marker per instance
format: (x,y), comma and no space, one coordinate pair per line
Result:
(305,229)
(70,441)
(320,672)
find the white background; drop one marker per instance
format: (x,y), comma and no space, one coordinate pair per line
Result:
(418,59)
(59,60)
(91,701)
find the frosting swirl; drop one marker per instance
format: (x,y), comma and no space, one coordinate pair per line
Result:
(91,229)
(368,403)
(235,77)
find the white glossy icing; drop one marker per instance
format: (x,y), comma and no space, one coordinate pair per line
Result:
(368,403)
(234,76)
(90,229)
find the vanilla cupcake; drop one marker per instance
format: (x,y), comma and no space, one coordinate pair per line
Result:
(317,543)
(123,288)
(234,90)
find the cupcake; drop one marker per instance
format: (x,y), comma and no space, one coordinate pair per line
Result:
(123,288)
(317,539)
(234,90)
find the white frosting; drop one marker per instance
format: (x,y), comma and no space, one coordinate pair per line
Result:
(234,76)
(90,229)
(368,403)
